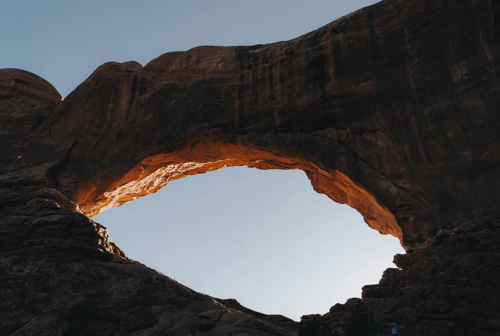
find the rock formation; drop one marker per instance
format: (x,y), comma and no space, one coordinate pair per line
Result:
(392,109)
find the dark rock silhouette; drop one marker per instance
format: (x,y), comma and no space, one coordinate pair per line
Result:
(392,109)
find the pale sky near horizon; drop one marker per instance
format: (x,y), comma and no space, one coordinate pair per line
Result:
(264,238)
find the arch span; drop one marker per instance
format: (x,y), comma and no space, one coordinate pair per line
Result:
(253,105)
(392,109)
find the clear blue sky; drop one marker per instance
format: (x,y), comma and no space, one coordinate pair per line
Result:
(262,237)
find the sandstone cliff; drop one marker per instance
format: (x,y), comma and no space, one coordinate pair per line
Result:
(392,110)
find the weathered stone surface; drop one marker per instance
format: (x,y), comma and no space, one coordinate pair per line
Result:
(392,110)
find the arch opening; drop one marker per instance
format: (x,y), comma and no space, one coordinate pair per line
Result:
(298,259)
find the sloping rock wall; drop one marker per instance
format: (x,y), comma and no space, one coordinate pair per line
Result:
(392,110)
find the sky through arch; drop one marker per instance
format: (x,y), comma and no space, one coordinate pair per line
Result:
(265,238)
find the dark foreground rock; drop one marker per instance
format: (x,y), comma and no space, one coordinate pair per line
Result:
(393,110)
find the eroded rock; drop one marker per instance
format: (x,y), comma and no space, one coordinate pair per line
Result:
(392,110)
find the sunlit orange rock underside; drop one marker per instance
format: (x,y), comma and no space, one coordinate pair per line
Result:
(155,172)
(392,110)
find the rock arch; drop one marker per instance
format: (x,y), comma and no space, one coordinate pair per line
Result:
(392,109)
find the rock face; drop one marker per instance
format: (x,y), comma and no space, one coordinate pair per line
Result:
(393,110)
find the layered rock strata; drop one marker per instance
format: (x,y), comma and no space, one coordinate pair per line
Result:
(392,110)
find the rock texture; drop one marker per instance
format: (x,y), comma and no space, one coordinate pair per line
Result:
(392,110)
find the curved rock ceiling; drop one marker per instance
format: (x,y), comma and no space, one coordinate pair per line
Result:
(392,110)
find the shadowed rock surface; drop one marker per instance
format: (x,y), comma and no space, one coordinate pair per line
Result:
(392,110)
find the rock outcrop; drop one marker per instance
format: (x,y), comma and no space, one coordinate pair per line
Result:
(392,110)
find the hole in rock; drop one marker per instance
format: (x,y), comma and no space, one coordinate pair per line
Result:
(264,238)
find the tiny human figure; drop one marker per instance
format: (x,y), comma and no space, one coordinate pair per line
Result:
(395,328)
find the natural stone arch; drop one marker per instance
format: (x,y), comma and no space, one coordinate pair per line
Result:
(396,104)
(216,97)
